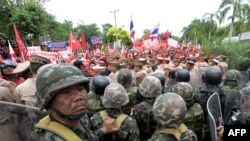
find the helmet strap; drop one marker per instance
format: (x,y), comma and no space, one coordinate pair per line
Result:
(61,115)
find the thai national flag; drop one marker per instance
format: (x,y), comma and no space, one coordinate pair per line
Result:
(154,31)
(132,30)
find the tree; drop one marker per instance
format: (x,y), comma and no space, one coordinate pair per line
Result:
(105,28)
(123,35)
(236,7)
(211,23)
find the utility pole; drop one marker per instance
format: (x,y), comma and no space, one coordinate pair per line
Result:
(116,34)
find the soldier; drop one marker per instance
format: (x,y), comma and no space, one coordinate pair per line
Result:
(97,87)
(124,77)
(114,98)
(211,80)
(240,115)
(25,93)
(62,91)
(138,66)
(194,117)
(161,77)
(169,111)
(149,89)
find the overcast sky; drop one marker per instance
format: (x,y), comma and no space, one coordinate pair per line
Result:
(172,15)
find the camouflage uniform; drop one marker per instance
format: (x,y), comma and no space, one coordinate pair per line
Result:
(124,77)
(50,80)
(114,98)
(150,88)
(241,116)
(169,111)
(194,117)
(229,89)
(211,79)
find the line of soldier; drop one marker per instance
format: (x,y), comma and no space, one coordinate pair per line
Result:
(137,100)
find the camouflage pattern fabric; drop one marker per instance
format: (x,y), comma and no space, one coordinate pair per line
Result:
(233,75)
(150,87)
(94,105)
(45,135)
(115,96)
(194,119)
(132,92)
(124,77)
(56,77)
(128,131)
(185,90)
(143,114)
(168,137)
(169,110)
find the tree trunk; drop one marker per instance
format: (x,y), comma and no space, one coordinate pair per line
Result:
(231,29)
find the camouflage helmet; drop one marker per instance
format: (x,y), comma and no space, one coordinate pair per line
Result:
(124,76)
(169,110)
(245,99)
(54,78)
(233,75)
(184,89)
(150,87)
(115,96)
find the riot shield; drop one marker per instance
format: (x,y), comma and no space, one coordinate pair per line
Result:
(214,114)
(17,121)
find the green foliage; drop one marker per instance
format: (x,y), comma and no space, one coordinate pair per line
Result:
(122,35)
(237,54)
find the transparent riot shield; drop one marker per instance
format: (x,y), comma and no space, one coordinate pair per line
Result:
(17,121)
(214,114)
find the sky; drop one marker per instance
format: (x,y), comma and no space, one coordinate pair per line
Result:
(172,15)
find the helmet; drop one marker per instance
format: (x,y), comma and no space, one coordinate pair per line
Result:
(184,89)
(99,83)
(150,87)
(182,75)
(169,110)
(161,77)
(54,78)
(115,96)
(245,99)
(233,75)
(124,76)
(212,76)
(8,63)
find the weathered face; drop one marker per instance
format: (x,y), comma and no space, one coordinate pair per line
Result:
(72,100)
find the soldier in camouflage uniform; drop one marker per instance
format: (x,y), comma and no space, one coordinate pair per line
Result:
(241,116)
(169,111)
(97,87)
(115,96)
(211,80)
(124,77)
(229,89)
(62,91)
(194,117)
(149,89)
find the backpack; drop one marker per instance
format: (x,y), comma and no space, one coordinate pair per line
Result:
(176,132)
(118,121)
(57,128)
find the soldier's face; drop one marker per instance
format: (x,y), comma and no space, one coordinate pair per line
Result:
(72,100)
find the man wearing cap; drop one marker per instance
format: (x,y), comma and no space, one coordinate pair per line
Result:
(26,92)
(115,67)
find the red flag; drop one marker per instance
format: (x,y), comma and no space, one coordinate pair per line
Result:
(21,46)
(12,53)
(73,42)
(84,44)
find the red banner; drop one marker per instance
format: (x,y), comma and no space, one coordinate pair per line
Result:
(21,46)
(73,42)
(84,44)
